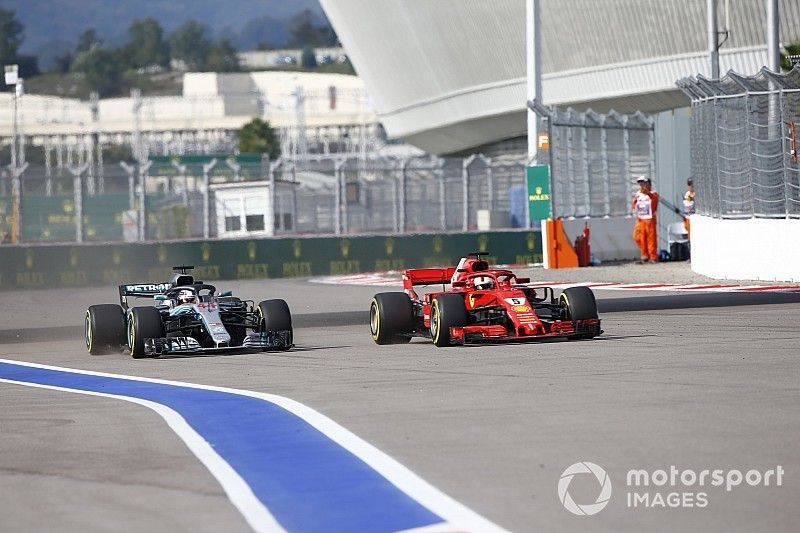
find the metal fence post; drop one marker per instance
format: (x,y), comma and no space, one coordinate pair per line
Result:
(294,196)
(143,168)
(716,163)
(442,204)
(207,168)
(77,197)
(465,163)
(489,180)
(16,198)
(130,170)
(48,169)
(787,195)
(182,174)
(606,172)
(626,156)
(271,168)
(585,169)
(402,200)
(337,195)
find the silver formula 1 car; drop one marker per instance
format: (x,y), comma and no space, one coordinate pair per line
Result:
(189,317)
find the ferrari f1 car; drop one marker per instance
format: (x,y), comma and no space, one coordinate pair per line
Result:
(482,304)
(189,317)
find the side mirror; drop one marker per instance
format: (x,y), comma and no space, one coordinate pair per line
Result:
(523,280)
(160,297)
(225,293)
(458,284)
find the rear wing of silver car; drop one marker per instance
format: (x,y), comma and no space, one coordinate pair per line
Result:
(141,290)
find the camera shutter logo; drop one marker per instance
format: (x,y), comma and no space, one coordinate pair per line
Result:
(590,508)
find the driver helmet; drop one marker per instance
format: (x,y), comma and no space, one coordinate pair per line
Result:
(186,297)
(483,283)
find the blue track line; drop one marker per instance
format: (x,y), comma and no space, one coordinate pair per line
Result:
(307,481)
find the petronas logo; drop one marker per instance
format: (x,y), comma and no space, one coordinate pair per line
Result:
(162,254)
(73,257)
(205,251)
(389,246)
(116,256)
(29,259)
(297,246)
(345,247)
(251,250)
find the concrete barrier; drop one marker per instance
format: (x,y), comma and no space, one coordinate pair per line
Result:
(78,265)
(755,248)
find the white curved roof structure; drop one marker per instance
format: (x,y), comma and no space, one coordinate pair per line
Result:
(450,75)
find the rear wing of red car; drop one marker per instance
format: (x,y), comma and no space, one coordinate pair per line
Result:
(427,276)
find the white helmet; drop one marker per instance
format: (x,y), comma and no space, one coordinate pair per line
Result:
(483,283)
(186,297)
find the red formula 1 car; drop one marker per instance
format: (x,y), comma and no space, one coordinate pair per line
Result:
(482,304)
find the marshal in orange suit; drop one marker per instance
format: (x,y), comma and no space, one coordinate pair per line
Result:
(644,205)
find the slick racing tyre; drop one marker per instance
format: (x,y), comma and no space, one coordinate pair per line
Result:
(104,328)
(390,316)
(274,316)
(447,310)
(143,323)
(581,305)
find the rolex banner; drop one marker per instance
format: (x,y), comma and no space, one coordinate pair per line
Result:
(539,192)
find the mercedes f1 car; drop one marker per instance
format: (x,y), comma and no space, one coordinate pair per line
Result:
(189,317)
(482,305)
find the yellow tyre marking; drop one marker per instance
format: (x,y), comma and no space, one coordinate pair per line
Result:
(89,333)
(376,333)
(438,320)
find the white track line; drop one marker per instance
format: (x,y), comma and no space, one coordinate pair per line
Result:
(381,280)
(457,515)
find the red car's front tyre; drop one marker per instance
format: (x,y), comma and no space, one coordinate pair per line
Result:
(447,310)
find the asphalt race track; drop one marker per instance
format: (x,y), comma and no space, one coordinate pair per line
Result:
(699,381)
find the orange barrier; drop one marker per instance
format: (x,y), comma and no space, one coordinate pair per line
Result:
(559,252)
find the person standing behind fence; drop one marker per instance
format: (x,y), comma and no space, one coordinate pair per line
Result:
(688,205)
(644,205)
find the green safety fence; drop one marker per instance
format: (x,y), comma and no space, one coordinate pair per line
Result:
(52,218)
(31,266)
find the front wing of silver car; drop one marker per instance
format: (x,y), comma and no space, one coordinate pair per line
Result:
(253,342)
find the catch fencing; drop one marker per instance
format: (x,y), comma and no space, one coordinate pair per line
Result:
(744,156)
(595,158)
(184,197)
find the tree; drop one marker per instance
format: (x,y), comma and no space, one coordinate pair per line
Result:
(258,137)
(10,36)
(221,57)
(303,32)
(86,40)
(146,45)
(189,43)
(101,68)
(10,41)
(308,59)
(791,49)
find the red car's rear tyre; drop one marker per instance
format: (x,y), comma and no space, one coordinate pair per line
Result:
(391,318)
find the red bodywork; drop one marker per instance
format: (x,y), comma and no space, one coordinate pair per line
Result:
(514,295)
